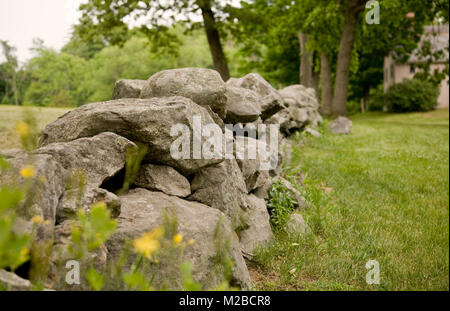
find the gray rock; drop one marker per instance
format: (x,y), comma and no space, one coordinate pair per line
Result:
(262,191)
(12,282)
(299,96)
(341,125)
(297,225)
(204,86)
(143,211)
(97,158)
(259,232)
(74,199)
(128,88)
(251,164)
(271,101)
(148,121)
(222,186)
(163,178)
(45,187)
(313,132)
(243,105)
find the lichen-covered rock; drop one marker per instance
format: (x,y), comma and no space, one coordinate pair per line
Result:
(204,86)
(148,121)
(162,178)
(143,211)
(258,232)
(341,125)
(250,162)
(128,88)
(243,105)
(270,101)
(299,96)
(222,186)
(97,158)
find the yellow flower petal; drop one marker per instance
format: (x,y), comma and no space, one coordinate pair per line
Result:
(37,219)
(178,238)
(191,241)
(148,242)
(27,171)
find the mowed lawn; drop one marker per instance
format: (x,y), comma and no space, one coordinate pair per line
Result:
(381,193)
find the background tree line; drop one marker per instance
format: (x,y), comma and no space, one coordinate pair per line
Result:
(327,45)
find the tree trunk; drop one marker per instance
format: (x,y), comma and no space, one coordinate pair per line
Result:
(305,61)
(365,98)
(325,76)
(339,104)
(218,56)
(14,89)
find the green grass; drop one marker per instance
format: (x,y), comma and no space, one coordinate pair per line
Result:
(9,115)
(389,202)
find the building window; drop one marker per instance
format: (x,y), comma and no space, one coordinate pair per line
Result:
(412,68)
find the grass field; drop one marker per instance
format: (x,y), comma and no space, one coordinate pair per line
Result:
(9,115)
(380,193)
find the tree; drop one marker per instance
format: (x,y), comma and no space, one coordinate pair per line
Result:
(108,18)
(352,10)
(9,71)
(56,78)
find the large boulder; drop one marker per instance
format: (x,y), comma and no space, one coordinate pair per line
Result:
(204,86)
(270,101)
(44,180)
(143,211)
(162,178)
(128,88)
(299,96)
(243,105)
(97,158)
(148,121)
(341,125)
(222,186)
(258,232)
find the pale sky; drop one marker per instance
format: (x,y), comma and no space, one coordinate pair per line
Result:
(50,20)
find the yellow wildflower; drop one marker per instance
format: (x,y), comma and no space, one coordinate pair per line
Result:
(178,238)
(23,129)
(37,219)
(191,241)
(27,171)
(148,242)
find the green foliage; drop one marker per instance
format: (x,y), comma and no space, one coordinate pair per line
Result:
(93,230)
(14,247)
(281,205)
(56,79)
(411,95)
